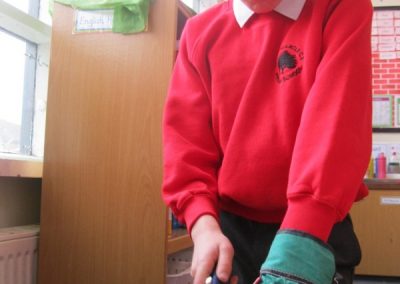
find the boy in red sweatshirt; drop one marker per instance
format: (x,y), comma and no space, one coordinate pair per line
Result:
(267,136)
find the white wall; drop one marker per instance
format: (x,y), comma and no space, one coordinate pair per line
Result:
(385,3)
(391,138)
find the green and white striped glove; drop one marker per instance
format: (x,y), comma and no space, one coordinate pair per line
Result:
(298,258)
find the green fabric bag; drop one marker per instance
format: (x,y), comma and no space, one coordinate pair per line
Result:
(298,258)
(130,16)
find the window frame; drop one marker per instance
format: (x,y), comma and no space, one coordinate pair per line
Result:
(28,27)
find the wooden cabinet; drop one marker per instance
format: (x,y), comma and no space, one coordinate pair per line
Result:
(377,224)
(102,217)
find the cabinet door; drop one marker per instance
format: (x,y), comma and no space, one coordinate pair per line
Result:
(376,222)
(102,218)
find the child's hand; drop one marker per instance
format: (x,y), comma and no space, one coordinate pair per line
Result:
(211,248)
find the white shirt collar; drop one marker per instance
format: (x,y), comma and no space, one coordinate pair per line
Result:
(288,8)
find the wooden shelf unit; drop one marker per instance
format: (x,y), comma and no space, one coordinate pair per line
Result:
(179,240)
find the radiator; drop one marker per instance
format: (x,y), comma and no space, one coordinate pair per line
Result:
(18,254)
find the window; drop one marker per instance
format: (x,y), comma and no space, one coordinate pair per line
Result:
(200,5)
(23,5)
(23,76)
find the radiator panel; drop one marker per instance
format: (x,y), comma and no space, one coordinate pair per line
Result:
(18,256)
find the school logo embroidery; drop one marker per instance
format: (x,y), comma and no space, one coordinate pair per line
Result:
(290,63)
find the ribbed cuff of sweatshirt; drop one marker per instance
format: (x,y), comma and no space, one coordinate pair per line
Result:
(197,207)
(311,216)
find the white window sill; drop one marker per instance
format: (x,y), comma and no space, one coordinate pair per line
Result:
(20,166)
(23,25)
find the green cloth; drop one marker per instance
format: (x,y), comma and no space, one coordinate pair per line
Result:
(130,16)
(296,257)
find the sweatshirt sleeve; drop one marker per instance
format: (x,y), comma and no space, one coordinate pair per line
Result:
(191,155)
(333,143)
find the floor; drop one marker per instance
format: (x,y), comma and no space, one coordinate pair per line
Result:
(376,280)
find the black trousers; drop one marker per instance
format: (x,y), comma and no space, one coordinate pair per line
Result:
(252,240)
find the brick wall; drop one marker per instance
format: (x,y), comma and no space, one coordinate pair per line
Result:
(386,52)
(386,75)
(386,57)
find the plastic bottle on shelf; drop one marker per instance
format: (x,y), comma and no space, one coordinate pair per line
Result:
(394,163)
(381,166)
(371,169)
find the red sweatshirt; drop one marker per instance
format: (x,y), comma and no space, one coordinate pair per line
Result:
(271,121)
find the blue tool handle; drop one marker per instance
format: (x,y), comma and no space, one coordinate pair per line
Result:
(215,280)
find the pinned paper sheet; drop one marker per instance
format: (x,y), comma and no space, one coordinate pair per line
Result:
(390,200)
(386,30)
(93,21)
(384,15)
(129,16)
(387,47)
(384,23)
(397,110)
(387,39)
(382,111)
(387,55)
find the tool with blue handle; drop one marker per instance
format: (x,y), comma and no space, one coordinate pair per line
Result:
(213,279)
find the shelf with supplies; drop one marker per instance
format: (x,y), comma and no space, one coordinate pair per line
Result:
(382,183)
(386,129)
(178,237)
(178,240)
